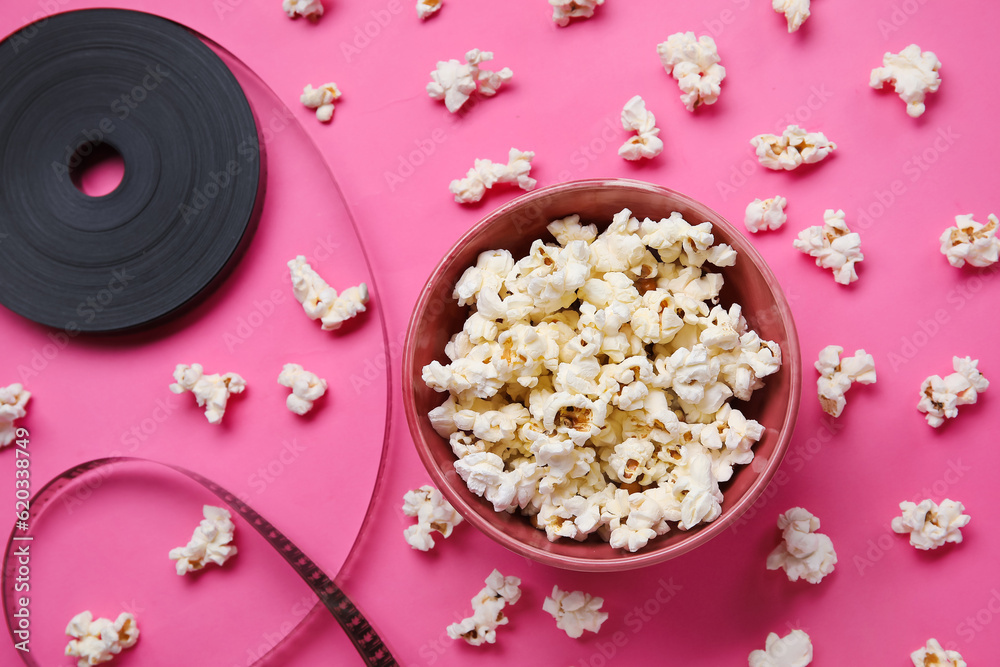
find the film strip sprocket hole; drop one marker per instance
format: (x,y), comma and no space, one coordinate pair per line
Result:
(359,630)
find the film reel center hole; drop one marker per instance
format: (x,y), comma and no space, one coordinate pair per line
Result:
(99,169)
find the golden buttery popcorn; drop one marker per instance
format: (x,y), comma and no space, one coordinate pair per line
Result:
(487,610)
(803,553)
(212,391)
(13,401)
(210,543)
(694,63)
(913,73)
(97,641)
(793,650)
(321,99)
(590,386)
(645,143)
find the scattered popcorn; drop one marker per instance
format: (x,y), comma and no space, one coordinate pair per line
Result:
(306,388)
(588,389)
(97,641)
(427,7)
(834,246)
(210,543)
(914,74)
(793,650)
(792,149)
(320,301)
(321,99)
(971,241)
(575,611)
(212,391)
(934,655)
(940,397)
(694,63)
(930,525)
(487,610)
(803,553)
(485,174)
(433,513)
(564,10)
(766,214)
(836,375)
(13,399)
(646,143)
(454,82)
(795,11)
(311,9)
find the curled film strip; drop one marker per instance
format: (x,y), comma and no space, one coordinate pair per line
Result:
(366,640)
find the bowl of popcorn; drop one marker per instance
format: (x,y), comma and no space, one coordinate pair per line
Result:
(601,375)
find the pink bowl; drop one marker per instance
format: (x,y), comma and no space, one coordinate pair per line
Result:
(514,226)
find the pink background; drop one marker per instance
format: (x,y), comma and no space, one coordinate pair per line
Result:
(900,180)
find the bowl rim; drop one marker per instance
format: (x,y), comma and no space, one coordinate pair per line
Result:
(642,558)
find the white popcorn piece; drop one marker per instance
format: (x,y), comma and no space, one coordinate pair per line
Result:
(646,143)
(321,99)
(836,374)
(306,388)
(485,174)
(763,214)
(564,10)
(212,391)
(210,543)
(913,72)
(487,610)
(940,397)
(796,12)
(454,82)
(100,640)
(803,553)
(793,650)
(694,63)
(971,241)
(311,9)
(433,513)
(931,525)
(426,8)
(834,246)
(934,654)
(588,387)
(320,301)
(575,611)
(792,149)
(13,399)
